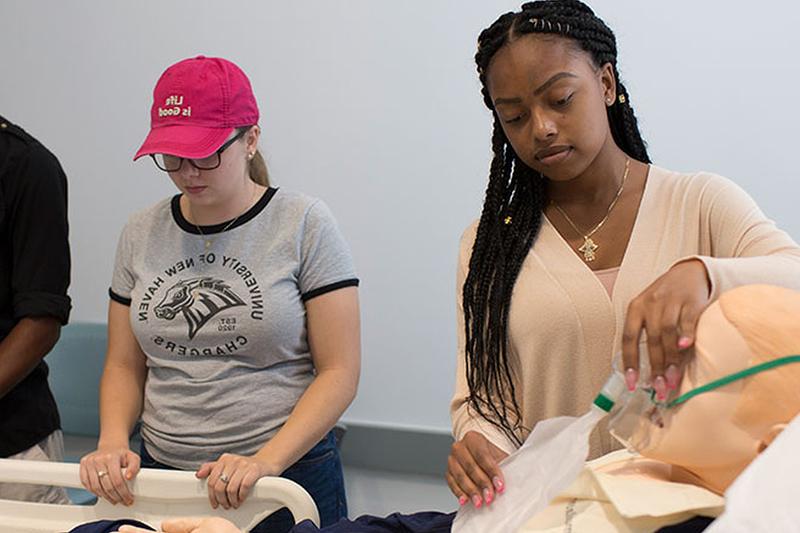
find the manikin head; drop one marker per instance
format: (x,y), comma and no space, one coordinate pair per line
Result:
(713,436)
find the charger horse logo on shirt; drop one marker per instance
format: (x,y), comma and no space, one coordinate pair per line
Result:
(199,299)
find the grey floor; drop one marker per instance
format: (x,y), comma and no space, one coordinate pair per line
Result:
(369,491)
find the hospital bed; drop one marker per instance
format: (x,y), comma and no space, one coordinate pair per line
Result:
(158,494)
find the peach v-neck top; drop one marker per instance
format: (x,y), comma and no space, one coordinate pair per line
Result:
(564,327)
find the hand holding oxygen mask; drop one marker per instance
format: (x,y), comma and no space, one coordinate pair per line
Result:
(668,311)
(738,390)
(641,419)
(639,410)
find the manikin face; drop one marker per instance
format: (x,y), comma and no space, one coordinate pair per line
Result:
(710,436)
(551,101)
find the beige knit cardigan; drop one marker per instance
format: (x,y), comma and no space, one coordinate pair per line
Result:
(563,327)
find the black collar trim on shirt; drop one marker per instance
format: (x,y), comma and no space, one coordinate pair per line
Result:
(251,213)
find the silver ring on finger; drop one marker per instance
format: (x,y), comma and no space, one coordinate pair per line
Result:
(224,478)
(101,474)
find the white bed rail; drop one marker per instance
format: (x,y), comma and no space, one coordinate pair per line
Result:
(158,494)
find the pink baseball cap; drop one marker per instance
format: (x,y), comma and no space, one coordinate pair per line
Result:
(197,103)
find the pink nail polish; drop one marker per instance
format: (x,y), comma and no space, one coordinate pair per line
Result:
(660,387)
(462,501)
(476,501)
(487,495)
(498,485)
(673,376)
(684,342)
(631,377)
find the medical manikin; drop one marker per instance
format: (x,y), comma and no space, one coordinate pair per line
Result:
(738,392)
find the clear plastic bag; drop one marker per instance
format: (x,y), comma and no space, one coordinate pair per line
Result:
(547,463)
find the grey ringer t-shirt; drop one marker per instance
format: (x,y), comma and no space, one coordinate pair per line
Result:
(224,327)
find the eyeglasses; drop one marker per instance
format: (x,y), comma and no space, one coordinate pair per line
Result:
(172,163)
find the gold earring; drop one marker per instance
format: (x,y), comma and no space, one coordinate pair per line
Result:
(622,99)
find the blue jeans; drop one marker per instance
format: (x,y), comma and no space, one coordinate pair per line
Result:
(319,472)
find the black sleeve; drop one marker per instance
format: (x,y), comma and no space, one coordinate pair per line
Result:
(38,233)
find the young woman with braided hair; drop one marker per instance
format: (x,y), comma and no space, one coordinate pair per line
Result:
(583,248)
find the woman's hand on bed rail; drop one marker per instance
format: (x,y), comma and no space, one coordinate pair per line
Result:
(473,471)
(189,525)
(102,473)
(231,477)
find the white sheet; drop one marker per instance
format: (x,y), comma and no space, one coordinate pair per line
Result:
(764,497)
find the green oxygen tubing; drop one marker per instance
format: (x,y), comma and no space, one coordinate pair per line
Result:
(730,378)
(614,387)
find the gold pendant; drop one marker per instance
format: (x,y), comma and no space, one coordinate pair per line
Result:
(208,245)
(588,249)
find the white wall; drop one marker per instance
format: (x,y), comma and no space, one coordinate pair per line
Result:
(374,106)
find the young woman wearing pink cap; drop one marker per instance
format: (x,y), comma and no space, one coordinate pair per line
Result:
(233,320)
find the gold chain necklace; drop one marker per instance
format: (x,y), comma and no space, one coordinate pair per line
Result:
(589,247)
(209,240)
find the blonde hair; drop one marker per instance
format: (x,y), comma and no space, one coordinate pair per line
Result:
(257,167)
